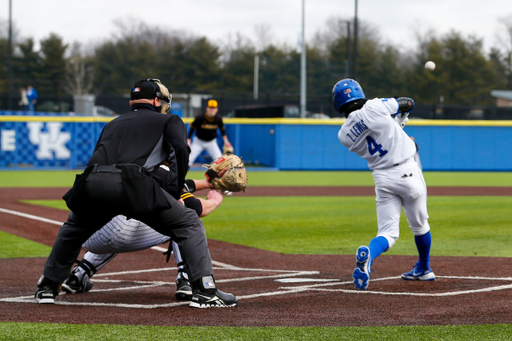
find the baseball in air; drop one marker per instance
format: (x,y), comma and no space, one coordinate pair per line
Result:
(430,65)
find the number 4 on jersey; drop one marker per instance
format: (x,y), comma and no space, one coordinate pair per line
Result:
(374,147)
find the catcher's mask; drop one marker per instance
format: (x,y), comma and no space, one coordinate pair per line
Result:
(345,91)
(150,88)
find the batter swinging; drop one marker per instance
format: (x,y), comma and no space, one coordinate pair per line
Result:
(373,130)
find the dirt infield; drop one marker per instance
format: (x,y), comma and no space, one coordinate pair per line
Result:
(274,289)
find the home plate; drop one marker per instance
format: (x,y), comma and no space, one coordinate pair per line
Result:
(303,280)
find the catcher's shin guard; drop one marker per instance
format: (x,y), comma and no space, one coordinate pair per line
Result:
(79,280)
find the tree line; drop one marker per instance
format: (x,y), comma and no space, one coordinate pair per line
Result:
(465,72)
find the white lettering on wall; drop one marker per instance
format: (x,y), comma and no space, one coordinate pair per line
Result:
(8,140)
(52,141)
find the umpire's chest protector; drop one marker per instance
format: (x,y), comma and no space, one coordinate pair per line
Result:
(126,189)
(133,144)
(142,194)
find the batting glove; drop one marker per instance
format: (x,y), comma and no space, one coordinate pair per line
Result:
(402,119)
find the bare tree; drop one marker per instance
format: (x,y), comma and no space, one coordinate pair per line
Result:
(140,32)
(336,28)
(232,44)
(504,39)
(264,36)
(79,73)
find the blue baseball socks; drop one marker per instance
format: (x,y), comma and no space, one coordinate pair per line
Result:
(377,246)
(423,245)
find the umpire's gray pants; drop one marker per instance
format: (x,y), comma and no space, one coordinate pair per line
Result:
(184,227)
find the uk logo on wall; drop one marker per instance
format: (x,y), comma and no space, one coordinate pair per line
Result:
(34,143)
(51,144)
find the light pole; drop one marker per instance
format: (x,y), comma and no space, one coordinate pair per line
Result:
(354,54)
(347,58)
(9,101)
(303,68)
(256,75)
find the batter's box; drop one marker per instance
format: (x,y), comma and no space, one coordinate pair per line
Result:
(119,289)
(443,286)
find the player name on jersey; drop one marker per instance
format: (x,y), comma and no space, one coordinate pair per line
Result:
(356,130)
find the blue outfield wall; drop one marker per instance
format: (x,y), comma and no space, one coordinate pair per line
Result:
(49,142)
(67,142)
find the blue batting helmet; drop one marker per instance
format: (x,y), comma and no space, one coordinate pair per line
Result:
(345,91)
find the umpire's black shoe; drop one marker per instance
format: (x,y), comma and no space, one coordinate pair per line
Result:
(47,290)
(206,295)
(45,295)
(183,290)
(219,299)
(73,285)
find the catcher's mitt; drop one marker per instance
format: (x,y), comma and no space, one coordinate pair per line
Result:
(233,180)
(227,150)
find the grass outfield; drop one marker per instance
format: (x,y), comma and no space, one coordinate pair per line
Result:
(461,226)
(284,178)
(45,331)
(466,226)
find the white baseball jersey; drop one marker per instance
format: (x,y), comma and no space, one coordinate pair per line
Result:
(372,133)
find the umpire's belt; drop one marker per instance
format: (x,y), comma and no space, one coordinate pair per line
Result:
(116,168)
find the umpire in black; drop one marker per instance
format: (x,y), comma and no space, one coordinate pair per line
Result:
(118,180)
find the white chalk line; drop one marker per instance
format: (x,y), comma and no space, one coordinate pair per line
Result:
(223,266)
(321,287)
(149,284)
(229,280)
(440,294)
(30,216)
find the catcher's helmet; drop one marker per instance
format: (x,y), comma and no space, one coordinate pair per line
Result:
(345,91)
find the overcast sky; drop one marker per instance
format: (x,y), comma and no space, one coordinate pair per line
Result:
(92,20)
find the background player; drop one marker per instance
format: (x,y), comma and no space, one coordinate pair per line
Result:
(373,130)
(122,235)
(205,126)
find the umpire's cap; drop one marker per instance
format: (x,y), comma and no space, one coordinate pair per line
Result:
(149,88)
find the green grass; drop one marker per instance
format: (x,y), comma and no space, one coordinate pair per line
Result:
(284,178)
(499,179)
(58,204)
(75,332)
(461,225)
(37,178)
(16,247)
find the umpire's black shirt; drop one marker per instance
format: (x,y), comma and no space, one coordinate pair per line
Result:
(147,138)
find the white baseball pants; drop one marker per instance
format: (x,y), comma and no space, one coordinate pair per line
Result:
(197,146)
(398,186)
(123,235)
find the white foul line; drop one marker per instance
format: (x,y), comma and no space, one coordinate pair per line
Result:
(439,294)
(30,216)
